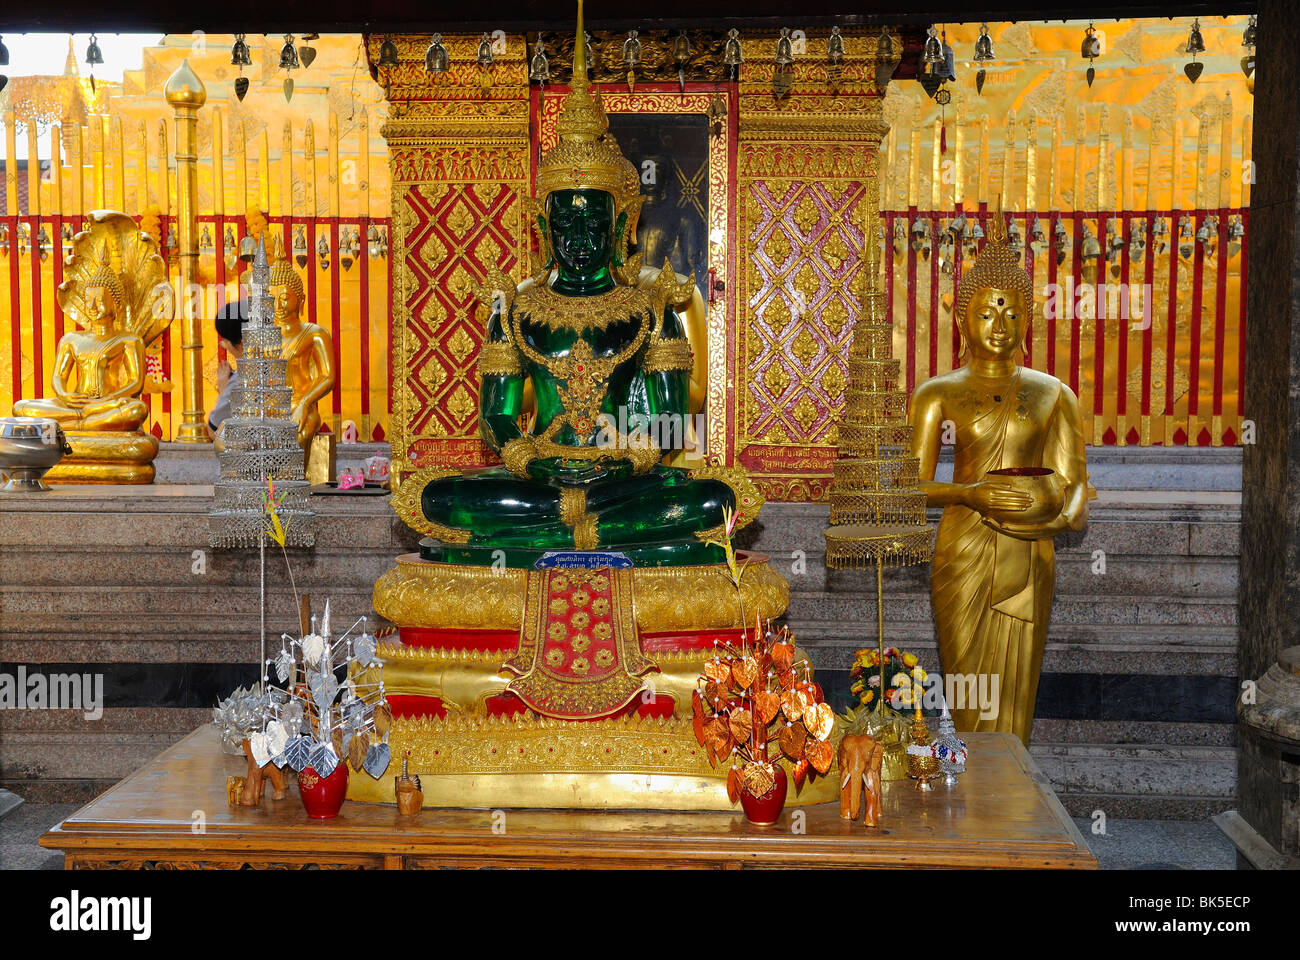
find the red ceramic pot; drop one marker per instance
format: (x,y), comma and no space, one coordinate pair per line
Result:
(766,809)
(323,796)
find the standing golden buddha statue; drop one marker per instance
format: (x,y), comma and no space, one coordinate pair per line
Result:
(116,291)
(308,349)
(1019,478)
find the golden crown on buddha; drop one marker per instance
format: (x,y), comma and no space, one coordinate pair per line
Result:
(586,157)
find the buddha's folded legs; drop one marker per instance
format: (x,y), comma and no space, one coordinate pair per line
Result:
(122,413)
(498,508)
(670,506)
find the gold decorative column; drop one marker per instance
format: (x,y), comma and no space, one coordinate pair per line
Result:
(805,171)
(186,94)
(459,156)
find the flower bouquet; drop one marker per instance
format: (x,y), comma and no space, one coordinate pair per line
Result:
(902,669)
(755,703)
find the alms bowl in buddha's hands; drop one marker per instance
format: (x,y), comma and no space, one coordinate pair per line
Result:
(1043,485)
(29,446)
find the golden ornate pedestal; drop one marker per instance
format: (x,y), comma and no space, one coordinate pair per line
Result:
(107,457)
(466,618)
(423,593)
(631,763)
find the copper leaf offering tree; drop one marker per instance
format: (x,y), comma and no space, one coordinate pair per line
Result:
(755,703)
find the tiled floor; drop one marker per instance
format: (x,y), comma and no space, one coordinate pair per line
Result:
(22,827)
(1160,845)
(1126,845)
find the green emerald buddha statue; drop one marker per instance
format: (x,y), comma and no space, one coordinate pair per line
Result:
(609,362)
(569,681)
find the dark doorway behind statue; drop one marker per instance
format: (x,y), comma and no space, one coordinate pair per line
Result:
(671,152)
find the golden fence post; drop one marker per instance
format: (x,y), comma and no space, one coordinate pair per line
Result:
(37,322)
(185,93)
(1175,204)
(118,154)
(1124,167)
(1008,162)
(240,145)
(892,155)
(164,172)
(78,164)
(142,167)
(1053,165)
(332,177)
(1105,200)
(959,165)
(309,185)
(97,147)
(1223,194)
(1080,136)
(11,168)
(1246,159)
(263,173)
(7,393)
(913,167)
(56,183)
(286,176)
(33,179)
(1080,204)
(1144,427)
(982,193)
(363,184)
(1195,319)
(1103,160)
(936,166)
(1031,164)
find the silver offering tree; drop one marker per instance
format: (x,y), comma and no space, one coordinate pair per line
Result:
(317,720)
(261,459)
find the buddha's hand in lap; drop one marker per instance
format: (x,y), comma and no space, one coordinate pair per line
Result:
(562,472)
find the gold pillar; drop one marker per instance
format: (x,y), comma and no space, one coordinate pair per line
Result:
(185,93)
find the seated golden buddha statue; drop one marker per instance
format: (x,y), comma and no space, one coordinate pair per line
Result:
(1019,479)
(115,290)
(308,348)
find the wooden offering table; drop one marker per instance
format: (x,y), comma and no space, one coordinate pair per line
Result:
(173,814)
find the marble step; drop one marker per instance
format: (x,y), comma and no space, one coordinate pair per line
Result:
(1101,770)
(1120,610)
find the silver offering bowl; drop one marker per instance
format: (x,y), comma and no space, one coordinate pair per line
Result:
(29,446)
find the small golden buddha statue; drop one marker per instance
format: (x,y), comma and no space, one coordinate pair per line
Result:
(1019,479)
(308,349)
(116,291)
(98,372)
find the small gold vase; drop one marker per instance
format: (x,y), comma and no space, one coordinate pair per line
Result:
(921,767)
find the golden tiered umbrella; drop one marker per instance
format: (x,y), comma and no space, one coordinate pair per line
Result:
(877,506)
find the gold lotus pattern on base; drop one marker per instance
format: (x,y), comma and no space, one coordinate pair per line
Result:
(530,761)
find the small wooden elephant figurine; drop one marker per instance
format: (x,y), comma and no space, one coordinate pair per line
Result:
(860,758)
(255,781)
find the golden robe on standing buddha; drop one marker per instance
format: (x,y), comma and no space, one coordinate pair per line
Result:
(1019,478)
